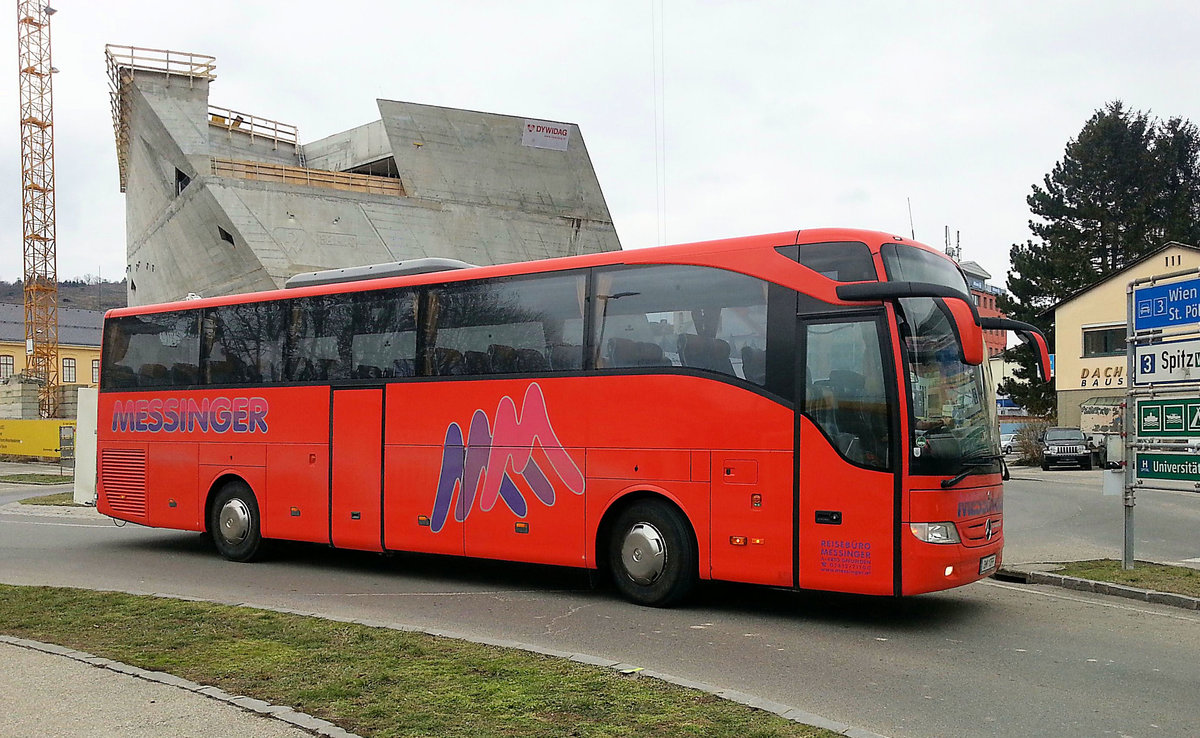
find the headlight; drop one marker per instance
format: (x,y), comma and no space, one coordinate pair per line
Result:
(935,532)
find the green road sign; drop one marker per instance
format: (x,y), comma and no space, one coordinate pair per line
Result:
(1177,467)
(1168,418)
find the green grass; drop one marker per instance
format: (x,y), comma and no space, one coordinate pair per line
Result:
(37,478)
(1158,577)
(375,681)
(58,499)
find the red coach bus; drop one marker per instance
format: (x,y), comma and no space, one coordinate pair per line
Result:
(804,409)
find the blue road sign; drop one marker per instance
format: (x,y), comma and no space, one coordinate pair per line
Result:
(1166,305)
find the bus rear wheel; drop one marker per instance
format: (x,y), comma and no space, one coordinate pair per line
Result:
(234,522)
(651,554)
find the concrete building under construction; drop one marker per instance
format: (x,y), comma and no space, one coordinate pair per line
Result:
(220,201)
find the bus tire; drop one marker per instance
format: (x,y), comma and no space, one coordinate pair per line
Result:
(234,522)
(652,554)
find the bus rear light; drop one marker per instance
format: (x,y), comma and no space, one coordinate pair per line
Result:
(758,541)
(935,532)
(737,540)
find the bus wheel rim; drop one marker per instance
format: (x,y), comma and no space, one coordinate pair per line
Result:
(644,553)
(234,523)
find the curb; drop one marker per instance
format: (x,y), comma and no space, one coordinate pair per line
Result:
(1088,585)
(283,713)
(324,728)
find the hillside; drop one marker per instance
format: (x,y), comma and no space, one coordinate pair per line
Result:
(74,293)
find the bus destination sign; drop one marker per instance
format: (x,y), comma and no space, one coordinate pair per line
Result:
(1166,305)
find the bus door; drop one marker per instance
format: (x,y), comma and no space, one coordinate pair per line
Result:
(356,448)
(847,491)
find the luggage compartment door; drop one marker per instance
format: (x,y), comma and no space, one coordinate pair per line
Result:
(355,479)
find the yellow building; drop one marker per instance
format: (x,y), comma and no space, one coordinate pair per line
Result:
(78,344)
(1090,329)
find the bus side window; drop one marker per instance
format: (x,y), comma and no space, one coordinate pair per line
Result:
(158,350)
(530,325)
(701,318)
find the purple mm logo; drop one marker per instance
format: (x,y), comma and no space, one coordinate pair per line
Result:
(479,467)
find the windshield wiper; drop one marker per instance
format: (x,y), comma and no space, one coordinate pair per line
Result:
(971,462)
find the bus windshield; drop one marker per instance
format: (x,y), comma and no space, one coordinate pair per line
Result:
(952,420)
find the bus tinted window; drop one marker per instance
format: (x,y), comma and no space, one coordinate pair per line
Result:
(504,327)
(243,344)
(369,335)
(906,263)
(158,350)
(694,317)
(841,261)
(845,390)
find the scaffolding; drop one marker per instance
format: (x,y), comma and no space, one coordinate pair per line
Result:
(283,174)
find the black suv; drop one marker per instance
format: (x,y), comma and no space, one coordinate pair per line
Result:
(1065,445)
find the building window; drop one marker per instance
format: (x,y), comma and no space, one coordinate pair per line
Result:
(95,371)
(6,366)
(68,371)
(1104,342)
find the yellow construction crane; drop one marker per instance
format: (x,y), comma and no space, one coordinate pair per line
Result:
(37,201)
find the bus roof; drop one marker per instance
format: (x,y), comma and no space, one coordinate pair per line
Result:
(702,253)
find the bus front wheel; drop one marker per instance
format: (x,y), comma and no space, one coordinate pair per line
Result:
(234,522)
(651,554)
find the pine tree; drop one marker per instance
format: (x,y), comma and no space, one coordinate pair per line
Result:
(1125,185)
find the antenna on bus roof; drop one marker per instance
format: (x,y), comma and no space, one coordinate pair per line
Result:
(376,271)
(910,220)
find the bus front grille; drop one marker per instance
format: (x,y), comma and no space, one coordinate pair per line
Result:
(123,476)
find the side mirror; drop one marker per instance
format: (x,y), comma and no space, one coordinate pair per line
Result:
(1028,334)
(962,311)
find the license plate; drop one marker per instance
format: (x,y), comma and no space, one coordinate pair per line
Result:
(987,563)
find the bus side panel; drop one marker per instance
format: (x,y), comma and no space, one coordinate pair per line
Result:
(171,474)
(296,503)
(846,520)
(752,507)
(701,419)
(547,525)
(410,484)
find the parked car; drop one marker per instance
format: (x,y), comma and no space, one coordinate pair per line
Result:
(1006,442)
(1066,446)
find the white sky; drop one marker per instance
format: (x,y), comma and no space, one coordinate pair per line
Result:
(778,115)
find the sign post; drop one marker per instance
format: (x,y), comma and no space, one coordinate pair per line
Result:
(1162,408)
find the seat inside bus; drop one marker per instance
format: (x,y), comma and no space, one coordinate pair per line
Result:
(702,352)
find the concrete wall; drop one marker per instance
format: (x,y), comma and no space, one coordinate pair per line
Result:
(352,148)
(18,400)
(473,192)
(470,157)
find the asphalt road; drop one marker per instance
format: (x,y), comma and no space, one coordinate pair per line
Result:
(1062,515)
(989,659)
